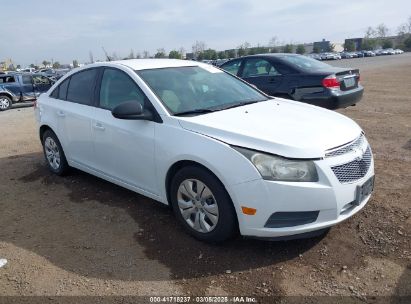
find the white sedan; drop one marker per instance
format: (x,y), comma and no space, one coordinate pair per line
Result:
(224,155)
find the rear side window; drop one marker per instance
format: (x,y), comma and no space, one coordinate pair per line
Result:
(61,91)
(81,88)
(55,93)
(27,79)
(284,69)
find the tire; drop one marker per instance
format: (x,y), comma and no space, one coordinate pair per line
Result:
(5,103)
(209,214)
(54,154)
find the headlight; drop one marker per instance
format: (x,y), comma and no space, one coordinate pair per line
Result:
(281,169)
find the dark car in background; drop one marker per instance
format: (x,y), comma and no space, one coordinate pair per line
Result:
(21,87)
(299,78)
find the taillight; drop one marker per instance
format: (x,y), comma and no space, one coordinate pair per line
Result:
(359,77)
(331,82)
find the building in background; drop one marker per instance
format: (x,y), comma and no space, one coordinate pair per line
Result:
(322,46)
(357,42)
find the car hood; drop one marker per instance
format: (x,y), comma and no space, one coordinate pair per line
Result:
(278,126)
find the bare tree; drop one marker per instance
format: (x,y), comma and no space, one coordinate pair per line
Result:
(370,33)
(161,53)
(131,55)
(114,56)
(198,47)
(273,41)
(404,28)
(146,54)
(382,31)
(182,52)
(91,57)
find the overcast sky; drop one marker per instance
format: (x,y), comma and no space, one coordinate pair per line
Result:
(63,30)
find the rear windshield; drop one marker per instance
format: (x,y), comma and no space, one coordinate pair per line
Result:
(304,63)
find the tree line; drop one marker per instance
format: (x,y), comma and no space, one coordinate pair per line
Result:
(373,37)
(379,36)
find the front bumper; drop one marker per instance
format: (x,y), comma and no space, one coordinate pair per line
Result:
(328,197)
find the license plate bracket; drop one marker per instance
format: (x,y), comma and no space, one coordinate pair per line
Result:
(364,190)
(349,82)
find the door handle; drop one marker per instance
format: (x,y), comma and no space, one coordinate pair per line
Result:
(99,126)
(61,114)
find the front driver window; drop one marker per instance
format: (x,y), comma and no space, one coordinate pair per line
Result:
(232,67)
(116,88)
(259,67)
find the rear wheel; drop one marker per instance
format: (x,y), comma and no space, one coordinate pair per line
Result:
(5,103)
(202,205)
(54,154)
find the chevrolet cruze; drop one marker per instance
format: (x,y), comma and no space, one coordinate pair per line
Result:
(224,155)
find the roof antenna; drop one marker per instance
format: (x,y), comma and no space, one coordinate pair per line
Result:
(107,56)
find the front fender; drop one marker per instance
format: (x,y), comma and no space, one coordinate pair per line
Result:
(175,144)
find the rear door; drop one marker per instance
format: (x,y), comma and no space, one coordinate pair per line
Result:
(124,149)
(261,73)
(74,115)
(27,87)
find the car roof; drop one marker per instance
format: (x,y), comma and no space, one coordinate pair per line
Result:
(268,55)
(273,55)
(146,64)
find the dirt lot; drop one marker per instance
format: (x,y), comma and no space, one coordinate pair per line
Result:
(80,235)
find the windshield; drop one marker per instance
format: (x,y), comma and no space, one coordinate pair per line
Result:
(198,89)
(305,63)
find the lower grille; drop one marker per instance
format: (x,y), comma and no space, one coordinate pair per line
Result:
(291,219)
(354,170)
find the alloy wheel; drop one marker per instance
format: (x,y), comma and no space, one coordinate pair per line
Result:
(52,153)
(4,103)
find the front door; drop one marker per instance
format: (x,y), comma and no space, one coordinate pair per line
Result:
(124,149)
(261,73)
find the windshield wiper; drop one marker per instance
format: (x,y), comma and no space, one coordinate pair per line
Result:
(220,108)
(195,111)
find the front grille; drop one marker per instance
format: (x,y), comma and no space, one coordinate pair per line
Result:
(358,143)
(355,169)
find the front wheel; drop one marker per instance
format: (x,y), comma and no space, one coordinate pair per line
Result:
(5,103)
(202,205)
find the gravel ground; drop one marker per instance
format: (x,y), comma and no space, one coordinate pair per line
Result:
(80,235)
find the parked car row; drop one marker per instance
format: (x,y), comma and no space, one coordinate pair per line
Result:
(54,74)
(299,78)
(358,54)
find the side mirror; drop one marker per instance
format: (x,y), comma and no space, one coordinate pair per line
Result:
(132,110)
